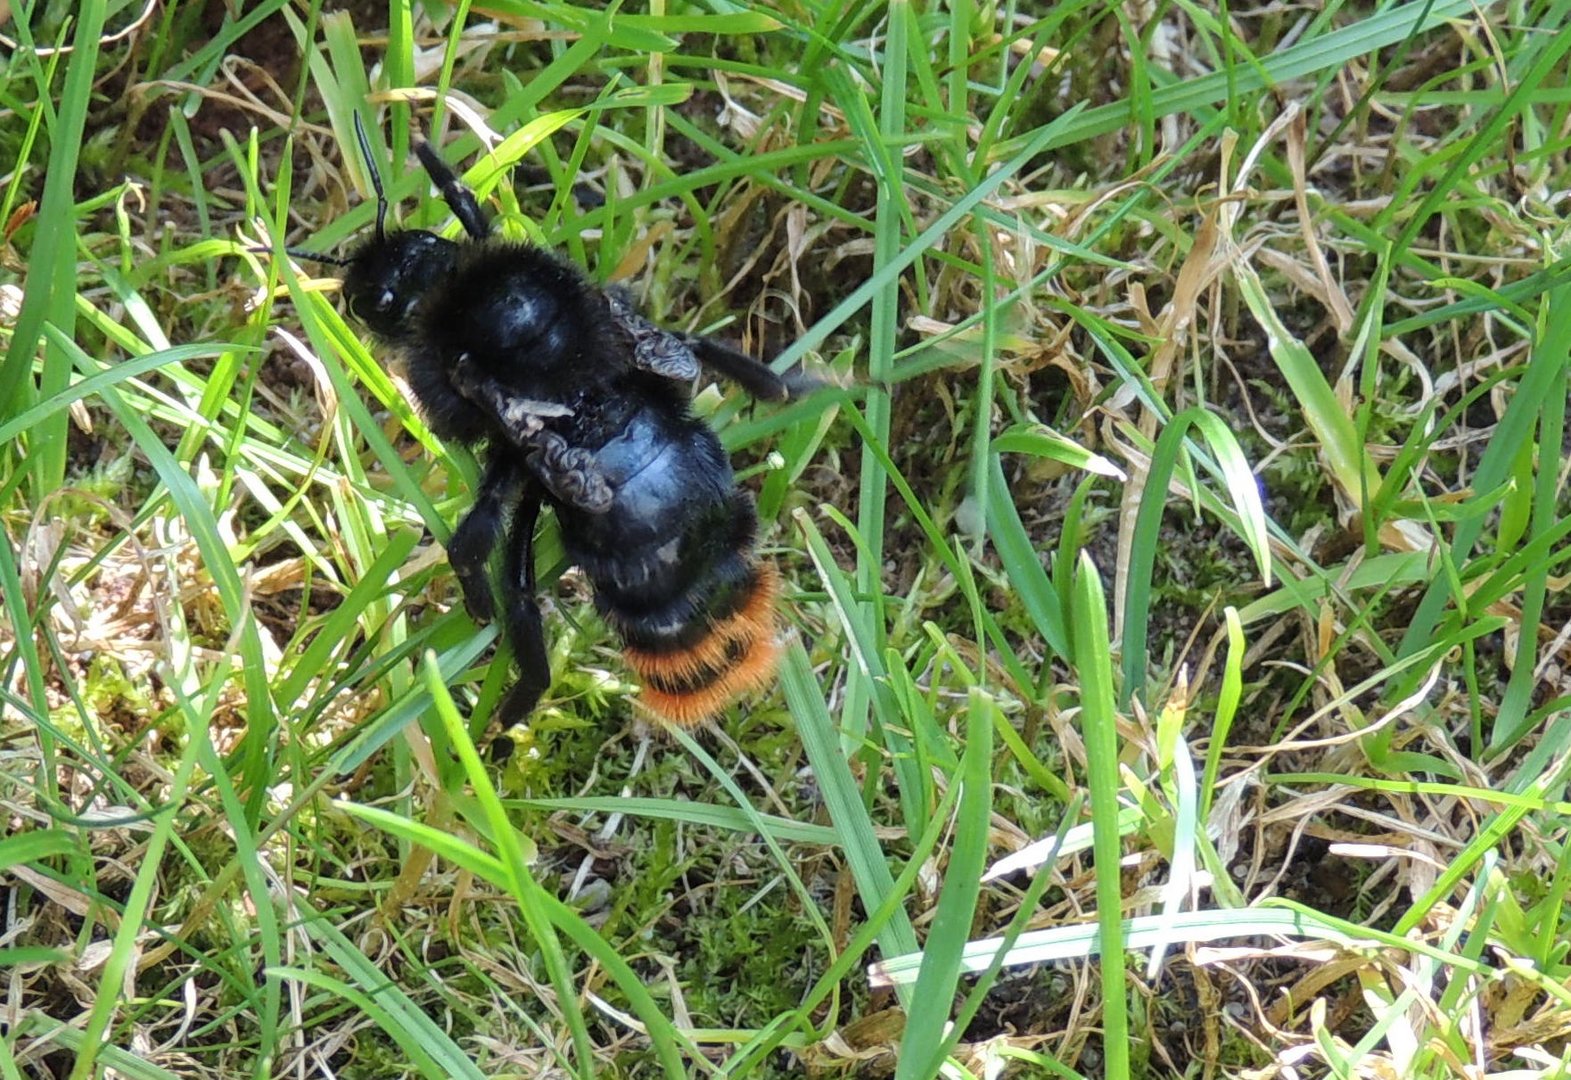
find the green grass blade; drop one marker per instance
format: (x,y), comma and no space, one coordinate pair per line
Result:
(1094,664)
(842,796)
(526,891)
(124,946)
(428,1047)
(33,846)
(1023,565)
(927,1041)
(199,518)
(708,814)
(1245,494)
(50,295)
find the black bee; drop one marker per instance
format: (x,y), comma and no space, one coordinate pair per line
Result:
(576,401)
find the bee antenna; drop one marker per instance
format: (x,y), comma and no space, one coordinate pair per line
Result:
(313,256)
(299,253)
(376,178)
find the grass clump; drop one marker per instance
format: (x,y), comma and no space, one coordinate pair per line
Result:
(1176,677)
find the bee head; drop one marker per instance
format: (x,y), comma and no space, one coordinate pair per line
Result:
(390,274)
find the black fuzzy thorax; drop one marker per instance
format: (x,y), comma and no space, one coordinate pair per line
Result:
(528,320)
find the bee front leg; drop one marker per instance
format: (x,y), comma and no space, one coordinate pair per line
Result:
(462,201)
(520,417)
(470,547)
(525,633)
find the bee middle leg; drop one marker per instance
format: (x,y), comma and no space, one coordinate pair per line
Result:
(570,473)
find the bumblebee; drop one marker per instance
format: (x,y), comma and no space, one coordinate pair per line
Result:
(573,400)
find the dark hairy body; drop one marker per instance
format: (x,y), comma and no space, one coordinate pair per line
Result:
(575,402)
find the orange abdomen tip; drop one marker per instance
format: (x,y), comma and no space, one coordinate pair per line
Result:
(686,708)
(738,656)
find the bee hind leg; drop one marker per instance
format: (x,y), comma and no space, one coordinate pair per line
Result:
(751,374)
(525,632)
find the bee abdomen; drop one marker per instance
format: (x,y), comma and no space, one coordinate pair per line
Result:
(716,658)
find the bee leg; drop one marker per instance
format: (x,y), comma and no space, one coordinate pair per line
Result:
(469,549)
(570,473)
(752,374)
(459,199)
(520,417)
(525,633)
(654,350)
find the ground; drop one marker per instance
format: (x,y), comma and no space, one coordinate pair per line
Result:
(1297,725)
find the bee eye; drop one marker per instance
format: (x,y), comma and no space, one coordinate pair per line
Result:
(385,301)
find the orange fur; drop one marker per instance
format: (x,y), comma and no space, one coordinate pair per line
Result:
(753,626)
(755,619)
(752,673)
